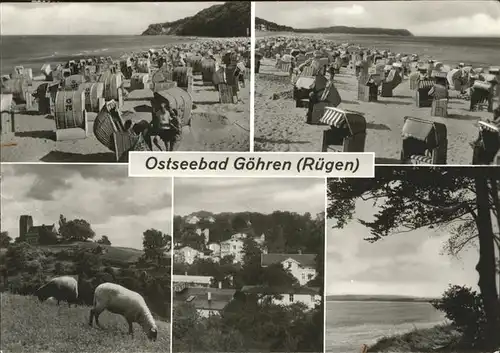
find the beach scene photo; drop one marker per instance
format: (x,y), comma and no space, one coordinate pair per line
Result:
(86,276)
(416,82)
(248,275)
(99,80)
(412,260)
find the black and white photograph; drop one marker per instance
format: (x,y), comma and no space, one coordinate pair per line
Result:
(85,260)
(413,260)
(248,265)
(89,82)
(415,82)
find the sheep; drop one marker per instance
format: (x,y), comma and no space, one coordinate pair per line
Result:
(61,288)
(120,300)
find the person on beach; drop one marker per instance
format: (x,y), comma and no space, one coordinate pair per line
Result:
(166,125)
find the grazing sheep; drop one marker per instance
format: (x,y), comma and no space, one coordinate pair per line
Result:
(123,301)
(63,288)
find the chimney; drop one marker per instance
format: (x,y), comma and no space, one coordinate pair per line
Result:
(209,296)
(220,285)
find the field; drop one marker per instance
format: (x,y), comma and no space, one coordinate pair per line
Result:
(113,254)
(30,326)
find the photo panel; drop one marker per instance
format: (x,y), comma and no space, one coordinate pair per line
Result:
(248,265)
(420,88)
(412,261)
(86,251)
(101,79)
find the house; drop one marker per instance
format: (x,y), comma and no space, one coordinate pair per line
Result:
(188,255)
(192,220)
(309,296)
(301,266)
(30,233)
(182,281)
(232,247)
(207,301)
(211,219)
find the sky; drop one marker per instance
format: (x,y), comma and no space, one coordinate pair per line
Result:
(475,18)
(114,204)
(408,263)
(111,18)
(264,195)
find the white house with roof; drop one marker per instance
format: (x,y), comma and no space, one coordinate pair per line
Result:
(309,296)
(187,254)
(232,247)
(301,266)
(192,220)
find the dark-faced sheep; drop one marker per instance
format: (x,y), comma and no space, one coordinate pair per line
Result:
(64,288)
(120,300)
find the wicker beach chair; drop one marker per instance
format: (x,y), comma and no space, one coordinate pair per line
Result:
(110,131)
(422,97)
(424,142)
(347,133)
(481,97)
(368,88)
(487,145)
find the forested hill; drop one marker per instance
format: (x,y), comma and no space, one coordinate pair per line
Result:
(274,27)
(232,19)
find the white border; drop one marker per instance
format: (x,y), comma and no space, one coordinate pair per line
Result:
(252,75)
(254,176)
(172,183)
(325,244)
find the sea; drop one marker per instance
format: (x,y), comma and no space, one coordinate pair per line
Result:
(350,324)
(34,51)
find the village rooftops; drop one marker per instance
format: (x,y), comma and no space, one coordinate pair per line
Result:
(192,279)
(280,290)
(205,298)
(305,260)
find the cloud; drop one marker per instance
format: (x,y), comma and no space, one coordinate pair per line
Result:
(423,18)
(248,194)
(91,18)
(408,263)
(477,25)
(114,204)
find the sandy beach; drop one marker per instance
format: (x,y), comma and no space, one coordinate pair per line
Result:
(279,126)
(214,127)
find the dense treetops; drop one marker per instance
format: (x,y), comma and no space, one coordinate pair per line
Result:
(273,27)
(232,19)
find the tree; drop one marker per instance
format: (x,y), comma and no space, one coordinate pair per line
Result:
(156,245)
(239,223)
(429,197)
(5,239)
(104,240)
(47,237)
(75,230)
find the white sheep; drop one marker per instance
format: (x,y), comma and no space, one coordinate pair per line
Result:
(120,300)
(61,288)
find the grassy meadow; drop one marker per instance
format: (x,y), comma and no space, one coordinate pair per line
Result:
(28,326)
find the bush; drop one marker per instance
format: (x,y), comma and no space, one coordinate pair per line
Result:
(464,308)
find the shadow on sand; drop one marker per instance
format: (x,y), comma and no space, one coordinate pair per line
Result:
(382,160)
(44,134)
(374,126)
(284,142)
(395,102)
(67,157)
(462,117)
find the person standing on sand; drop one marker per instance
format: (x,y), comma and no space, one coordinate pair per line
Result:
(166,125)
